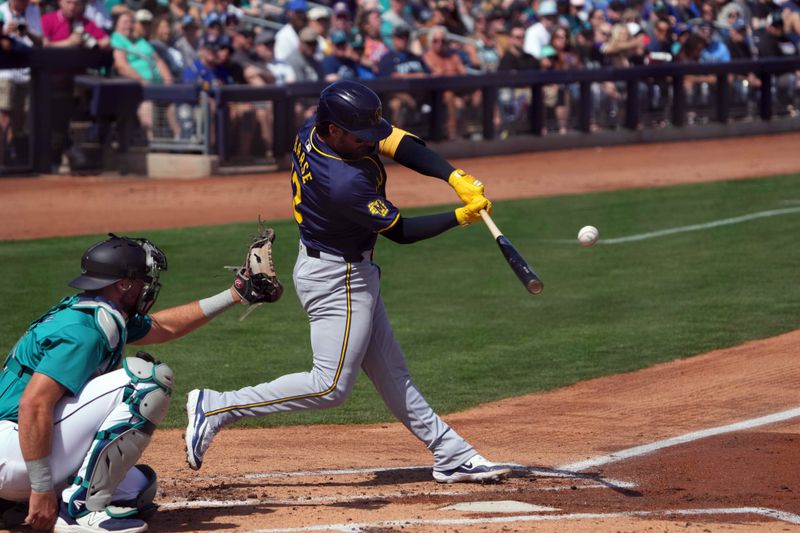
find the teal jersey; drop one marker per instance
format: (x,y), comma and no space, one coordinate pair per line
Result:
(76,340)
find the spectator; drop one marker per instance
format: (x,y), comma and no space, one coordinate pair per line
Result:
(281,74)
(179,10)
(374,47)
(22,24)
(281,71)
(687,10)
(287,40)
(774,42)
(715,50)
(398,14)
(623,49)
(365,69)
(161,39)
(614,12)
(661,38)
(443,61)
(514,102)
(189,41)
(136,59)
(538,35)
(576,16)
(303,60)
(212,25)
(319,19)
(401,63)
(207,71)
(342,18)
(342,63)
(68,27)
(247,60)
(596,18)
(487,50)
(556,97)
(737,42)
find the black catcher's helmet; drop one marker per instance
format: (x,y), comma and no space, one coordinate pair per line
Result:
(355,108)
(119,258)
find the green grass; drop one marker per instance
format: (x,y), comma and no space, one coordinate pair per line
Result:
(470,331)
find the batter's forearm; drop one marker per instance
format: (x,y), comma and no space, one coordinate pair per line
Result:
(413,154)
(409,230)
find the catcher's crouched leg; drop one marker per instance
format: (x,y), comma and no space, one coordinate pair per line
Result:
(119,443)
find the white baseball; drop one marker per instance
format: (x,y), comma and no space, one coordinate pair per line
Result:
(587,236)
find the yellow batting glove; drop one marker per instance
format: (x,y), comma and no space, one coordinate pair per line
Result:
(466,185)
(472,211)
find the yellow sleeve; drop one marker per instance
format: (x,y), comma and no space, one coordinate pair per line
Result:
(388,146)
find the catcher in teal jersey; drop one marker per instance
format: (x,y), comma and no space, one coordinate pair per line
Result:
(72,423)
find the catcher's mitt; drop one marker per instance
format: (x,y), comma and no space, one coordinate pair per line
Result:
(257,282)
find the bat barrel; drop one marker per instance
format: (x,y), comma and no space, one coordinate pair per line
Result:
(535,286)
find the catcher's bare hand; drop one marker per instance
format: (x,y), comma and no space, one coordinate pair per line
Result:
(257,282)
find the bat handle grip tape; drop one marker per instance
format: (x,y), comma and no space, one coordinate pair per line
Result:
(493,229)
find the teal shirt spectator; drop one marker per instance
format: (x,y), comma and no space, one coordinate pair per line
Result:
(141,56)
(76,340)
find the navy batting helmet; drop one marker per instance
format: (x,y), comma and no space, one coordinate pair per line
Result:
(354,108)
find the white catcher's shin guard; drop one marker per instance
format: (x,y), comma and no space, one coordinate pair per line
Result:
(121,439)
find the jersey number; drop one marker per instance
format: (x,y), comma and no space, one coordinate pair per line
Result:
(297,197)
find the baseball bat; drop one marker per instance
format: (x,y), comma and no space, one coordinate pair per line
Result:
(529,278)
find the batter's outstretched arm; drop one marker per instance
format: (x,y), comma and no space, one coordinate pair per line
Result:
(413,229)
(411,152)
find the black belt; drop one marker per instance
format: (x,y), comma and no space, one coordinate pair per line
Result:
(313,252)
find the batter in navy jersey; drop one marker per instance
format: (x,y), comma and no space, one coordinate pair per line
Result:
(340,205)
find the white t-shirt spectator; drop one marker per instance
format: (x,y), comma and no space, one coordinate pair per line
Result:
(536,37)
(286,42)
(283,72)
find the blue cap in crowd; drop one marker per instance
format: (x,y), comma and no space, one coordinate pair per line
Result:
(297,5)
(739,24)
(338,37)
(211,19)
(188,20)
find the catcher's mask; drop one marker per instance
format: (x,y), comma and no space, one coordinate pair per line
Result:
(119,258)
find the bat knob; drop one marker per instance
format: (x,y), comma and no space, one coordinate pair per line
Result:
(535,286)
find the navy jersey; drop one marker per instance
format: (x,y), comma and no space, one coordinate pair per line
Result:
(339,204)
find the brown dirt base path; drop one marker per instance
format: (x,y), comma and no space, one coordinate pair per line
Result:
(602,455)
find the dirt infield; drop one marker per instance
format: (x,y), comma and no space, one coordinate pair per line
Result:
(654,450)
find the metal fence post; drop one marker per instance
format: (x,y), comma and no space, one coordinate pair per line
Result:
(723,98)
(438,115)
(223,124)
(536,111)
(765,103)
(205,106)
(488,105)
(632,107)
(678,101)
(585,118)
(41,81)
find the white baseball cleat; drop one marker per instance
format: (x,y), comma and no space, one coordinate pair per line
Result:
(477,470)
(198,434)
(96,522)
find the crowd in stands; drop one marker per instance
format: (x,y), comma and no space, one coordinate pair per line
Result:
(262,43)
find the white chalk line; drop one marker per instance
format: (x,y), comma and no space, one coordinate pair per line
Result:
(214,504)
(698,227)
(693,227)
(681,439)
(361,527)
